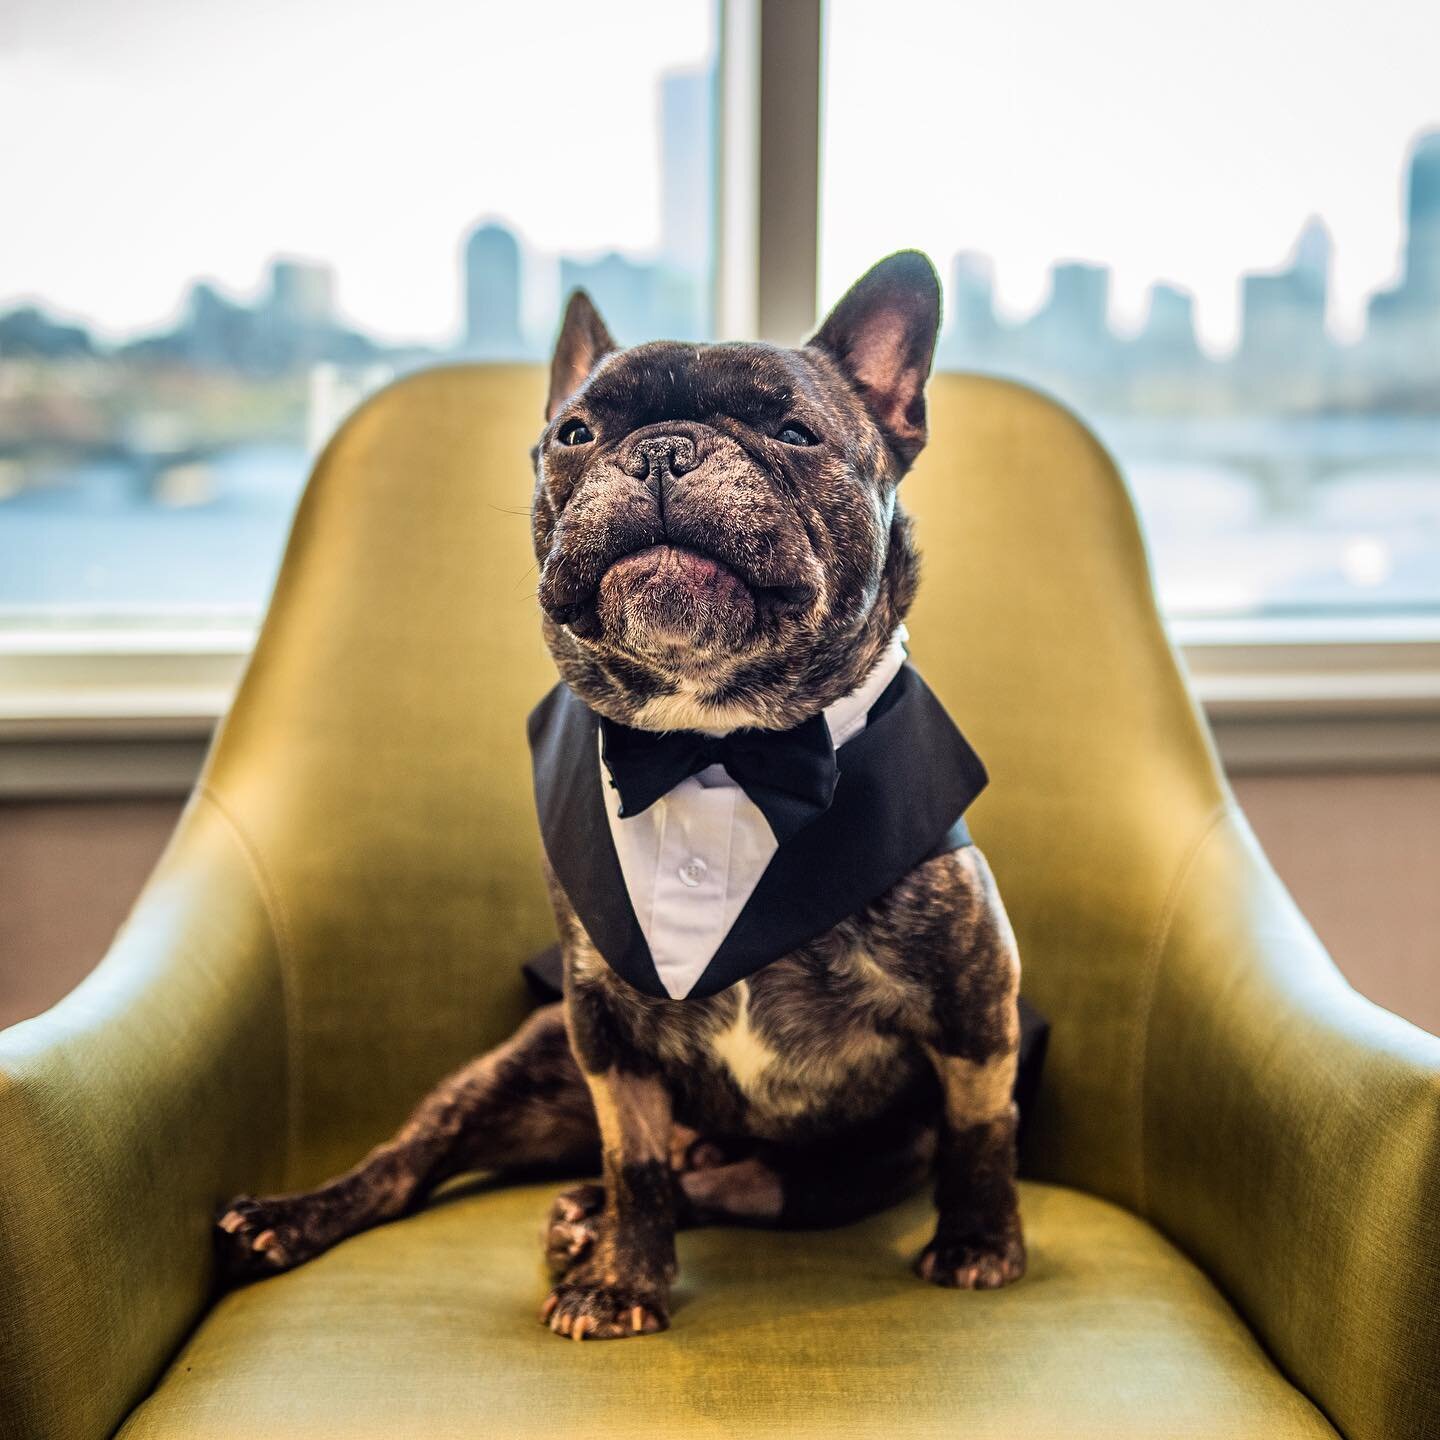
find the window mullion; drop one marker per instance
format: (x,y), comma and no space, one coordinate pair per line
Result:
(768,210)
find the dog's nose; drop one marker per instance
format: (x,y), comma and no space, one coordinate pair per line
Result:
(659,455)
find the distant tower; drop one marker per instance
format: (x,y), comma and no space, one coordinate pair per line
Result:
(1282,324)
(1169,333)
(627,293)
(216,330)
(302,294)
(687,203)
(970,309)
(1072,327)
(1311,256)
(1422,220)
(1403,328)
(492,292)
(687,168)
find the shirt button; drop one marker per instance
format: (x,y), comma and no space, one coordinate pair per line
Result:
(692,872)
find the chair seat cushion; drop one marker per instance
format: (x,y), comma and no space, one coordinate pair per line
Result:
(428,1328)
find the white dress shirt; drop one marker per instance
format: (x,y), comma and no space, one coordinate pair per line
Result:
(694,857)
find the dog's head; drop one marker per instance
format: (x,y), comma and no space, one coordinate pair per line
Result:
(717,527)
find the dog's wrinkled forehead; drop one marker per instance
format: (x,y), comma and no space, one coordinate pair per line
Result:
(759,385)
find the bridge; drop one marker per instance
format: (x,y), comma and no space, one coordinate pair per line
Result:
(1285,458)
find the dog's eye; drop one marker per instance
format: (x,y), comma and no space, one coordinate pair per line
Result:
(793,433)
(575,432)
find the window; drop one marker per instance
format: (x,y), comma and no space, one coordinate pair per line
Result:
(228,222)
(1217,237)
(1219,241)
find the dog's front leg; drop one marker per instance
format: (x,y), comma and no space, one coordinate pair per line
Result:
(621,1286)
(974,1045)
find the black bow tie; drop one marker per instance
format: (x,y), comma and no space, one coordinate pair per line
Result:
(789,774)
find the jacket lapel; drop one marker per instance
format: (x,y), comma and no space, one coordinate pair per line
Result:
(564,745)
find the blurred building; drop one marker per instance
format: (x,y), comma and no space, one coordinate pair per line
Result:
(1071,330)
(492,292)
(1167,338)
(293,327)
(626,291)
(216,330)
(687,203)
(1403,330)
(29,334)
(971,328)
(1422,219)
(687,169)
(302,295)
(1282,313)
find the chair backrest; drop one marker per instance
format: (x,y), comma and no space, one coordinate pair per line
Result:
(375,756)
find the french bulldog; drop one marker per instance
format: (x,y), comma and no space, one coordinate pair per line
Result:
(721,546)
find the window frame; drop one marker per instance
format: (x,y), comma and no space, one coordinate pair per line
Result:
(129,711)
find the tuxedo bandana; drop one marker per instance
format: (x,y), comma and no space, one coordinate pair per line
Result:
(850,822)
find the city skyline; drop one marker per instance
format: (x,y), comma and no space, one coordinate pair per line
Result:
(1183,149)
(1284,324)
(1049,132)
(171,140)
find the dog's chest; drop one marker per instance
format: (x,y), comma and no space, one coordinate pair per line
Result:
(741,1049)
(796,1044)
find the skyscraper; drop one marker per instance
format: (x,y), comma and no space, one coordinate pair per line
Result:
(626,292)
(1168,336)
(217,331)
(1071,330)
(1402,338)
(687,202)
(971,326)
(492,292)
(687,168)
(1422,219)
(1282,323)
(302,294)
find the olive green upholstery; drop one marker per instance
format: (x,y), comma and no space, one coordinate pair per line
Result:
(429,1329)
(1235,1162)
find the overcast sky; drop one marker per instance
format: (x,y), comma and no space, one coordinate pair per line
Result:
(1180,142)
(151,142)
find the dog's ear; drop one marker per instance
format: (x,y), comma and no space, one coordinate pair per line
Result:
(583,340)
(882,335)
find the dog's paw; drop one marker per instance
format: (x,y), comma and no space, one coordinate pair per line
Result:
(253,1239)
(573,1224)
(972,1265)
(604,1312)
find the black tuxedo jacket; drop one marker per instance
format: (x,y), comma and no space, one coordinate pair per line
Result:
(905,782)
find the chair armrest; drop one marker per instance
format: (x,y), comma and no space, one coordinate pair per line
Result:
(1292,1144)
(127,1112)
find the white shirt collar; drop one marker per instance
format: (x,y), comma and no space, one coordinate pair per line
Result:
(846,717)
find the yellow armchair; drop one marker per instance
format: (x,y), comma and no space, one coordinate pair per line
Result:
(1233,1173)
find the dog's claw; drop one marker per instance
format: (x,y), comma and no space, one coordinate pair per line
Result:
(582,1313)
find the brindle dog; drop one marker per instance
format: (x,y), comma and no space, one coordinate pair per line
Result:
(721,544)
